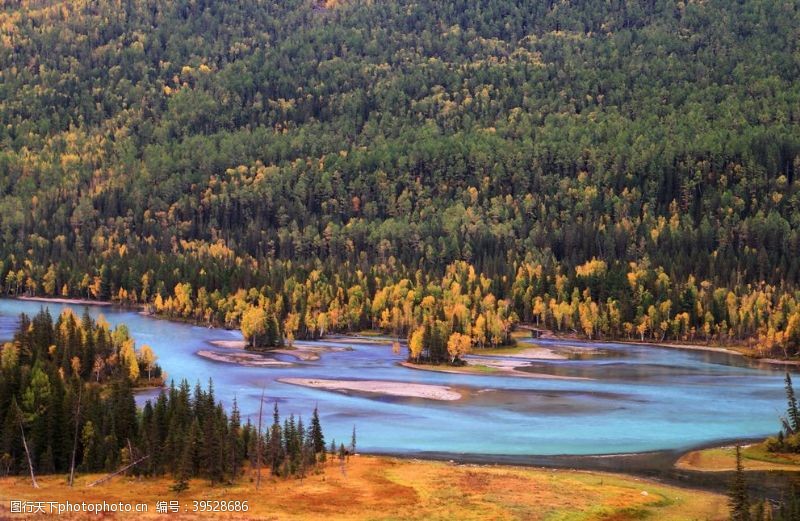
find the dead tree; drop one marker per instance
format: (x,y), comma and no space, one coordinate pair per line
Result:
(25,443)
(117,473)
(75,438)
(258,440)
(28,454)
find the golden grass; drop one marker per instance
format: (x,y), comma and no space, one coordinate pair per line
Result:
(382,488)
(754,457)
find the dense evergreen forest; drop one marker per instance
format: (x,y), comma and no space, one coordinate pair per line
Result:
(440,170)
(66,403)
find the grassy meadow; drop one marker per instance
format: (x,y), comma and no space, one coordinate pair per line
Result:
(382,488)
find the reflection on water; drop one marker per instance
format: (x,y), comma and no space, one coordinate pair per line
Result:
(635,398)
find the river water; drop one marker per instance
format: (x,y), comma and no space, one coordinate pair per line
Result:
(631,399)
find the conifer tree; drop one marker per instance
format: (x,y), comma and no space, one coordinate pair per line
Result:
(738,498)
(794,413)
(316,433)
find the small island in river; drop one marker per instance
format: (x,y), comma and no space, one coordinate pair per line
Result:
(245,359)
(402,389)
(302,351)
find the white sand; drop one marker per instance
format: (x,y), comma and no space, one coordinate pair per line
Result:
(535,353)
(411,390)
(245,359)
(501,368)
(305,352)
(73,301)
(229,344)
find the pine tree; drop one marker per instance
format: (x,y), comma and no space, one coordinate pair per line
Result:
(794,413)
(738,499)
(235,445)
(316,433)
(276,452)
(187,459)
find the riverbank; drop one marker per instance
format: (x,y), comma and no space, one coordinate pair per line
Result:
(741,351)
(689,347)
(372,487)
(723,459)
(245,359)
(370,337)
(521,409)
(300,350)
(522,351)
(488,368)
(67,301)
(401,389)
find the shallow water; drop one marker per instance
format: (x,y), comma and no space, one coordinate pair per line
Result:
(636,398)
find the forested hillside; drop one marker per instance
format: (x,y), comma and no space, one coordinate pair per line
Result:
(612,168)
(67,404)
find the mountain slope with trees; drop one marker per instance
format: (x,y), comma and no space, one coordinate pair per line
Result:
(615,169)
(60,413)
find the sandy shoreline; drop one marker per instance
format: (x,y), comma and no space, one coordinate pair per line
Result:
(776,361)
(402,389)
(689,347)
(245,359)
(535,353)
(496,368)
(360,339)
(73,301)
(301,351)
(229,344)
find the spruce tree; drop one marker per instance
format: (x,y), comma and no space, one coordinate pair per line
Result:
(316,433)
(794,413)
(738,499)
(235,452)
(187,460)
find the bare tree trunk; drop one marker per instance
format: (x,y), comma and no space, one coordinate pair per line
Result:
(130,450)
(28,454)
(258,440)
(120,471)
(75,439)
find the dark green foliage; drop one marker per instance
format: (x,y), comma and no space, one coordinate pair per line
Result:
(46,381)
(789,509)
(739,500)
(247,145)
(291,448)
(316,433)
(784,508)
(792,409)
(183,432)
(788,438)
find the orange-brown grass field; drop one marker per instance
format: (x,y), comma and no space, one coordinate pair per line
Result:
(383,488)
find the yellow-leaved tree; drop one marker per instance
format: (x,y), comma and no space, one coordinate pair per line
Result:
(253,325)
(415,343)
(458,345)
(148,359)
(127,353)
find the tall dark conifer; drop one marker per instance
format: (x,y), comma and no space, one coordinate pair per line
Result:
(792,409)
(316,433)
(738,498)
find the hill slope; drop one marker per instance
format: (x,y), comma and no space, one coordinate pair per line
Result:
(230,145)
